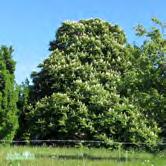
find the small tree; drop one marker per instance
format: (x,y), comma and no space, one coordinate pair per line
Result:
(8,96)
(22,105)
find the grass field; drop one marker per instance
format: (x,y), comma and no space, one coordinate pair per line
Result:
(51,156)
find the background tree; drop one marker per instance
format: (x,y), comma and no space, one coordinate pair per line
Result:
(8,95)
(24,91)
(144,83)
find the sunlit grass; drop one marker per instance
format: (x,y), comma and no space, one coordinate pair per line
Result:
(52,156)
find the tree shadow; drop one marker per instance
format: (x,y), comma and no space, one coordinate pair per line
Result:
(88,157)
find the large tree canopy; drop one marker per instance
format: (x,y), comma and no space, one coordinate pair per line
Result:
(82,50)
(87,87)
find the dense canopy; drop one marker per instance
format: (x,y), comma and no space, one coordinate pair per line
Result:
(94,85)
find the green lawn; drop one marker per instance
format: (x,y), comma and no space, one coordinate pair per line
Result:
(51,156)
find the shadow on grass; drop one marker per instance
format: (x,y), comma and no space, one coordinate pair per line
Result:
(87,157)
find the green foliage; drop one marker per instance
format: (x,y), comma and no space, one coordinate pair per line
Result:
(94,86)
(8,96)
(22,105)
(58,116)
(97,49)
(144,83)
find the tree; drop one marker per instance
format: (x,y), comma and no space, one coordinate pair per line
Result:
(24,91)
(144,83)
(8,95)
(78,92)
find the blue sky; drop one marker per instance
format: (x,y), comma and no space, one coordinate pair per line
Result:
(29,25)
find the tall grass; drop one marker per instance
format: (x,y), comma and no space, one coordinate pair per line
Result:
(51,156)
